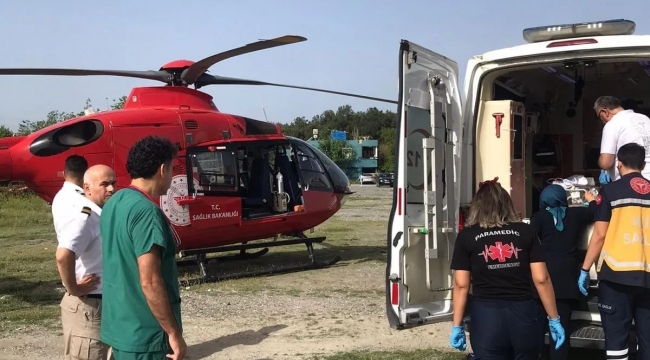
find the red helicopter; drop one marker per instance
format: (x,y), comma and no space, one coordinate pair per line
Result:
(235,180)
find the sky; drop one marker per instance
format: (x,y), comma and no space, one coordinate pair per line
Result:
(351,46)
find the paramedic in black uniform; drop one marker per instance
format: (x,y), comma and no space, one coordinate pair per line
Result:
(620,245)
(559,228)
(501,255)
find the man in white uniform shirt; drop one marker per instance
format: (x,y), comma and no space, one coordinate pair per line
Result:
(79,258)
(621,127)
(72,189)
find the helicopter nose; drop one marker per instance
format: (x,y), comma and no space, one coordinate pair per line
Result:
(6,168)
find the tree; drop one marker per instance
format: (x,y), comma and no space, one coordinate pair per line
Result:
(386,161)
(27,127)
(374,123)
(119,103)
(338,151)
(5,132)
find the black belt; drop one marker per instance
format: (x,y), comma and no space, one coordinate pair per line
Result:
(94,296)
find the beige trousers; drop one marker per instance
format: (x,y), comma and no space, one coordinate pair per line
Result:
(81,319)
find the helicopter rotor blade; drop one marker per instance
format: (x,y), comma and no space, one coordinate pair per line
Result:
(206,79)
(192,73)
(149,75)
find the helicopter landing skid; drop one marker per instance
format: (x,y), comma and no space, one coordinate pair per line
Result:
(243,255)
(313,263)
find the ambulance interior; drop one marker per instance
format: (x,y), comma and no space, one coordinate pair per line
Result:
(549,129)
(550,121)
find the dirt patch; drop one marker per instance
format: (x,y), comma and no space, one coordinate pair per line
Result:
(266,326)
(289,316)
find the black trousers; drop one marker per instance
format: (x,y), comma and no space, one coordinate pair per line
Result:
(618,305)
(506,330)
(564,308)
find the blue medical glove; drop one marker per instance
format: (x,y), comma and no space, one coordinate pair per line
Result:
(604,177)
(557,331)
(457,338)
(583,282)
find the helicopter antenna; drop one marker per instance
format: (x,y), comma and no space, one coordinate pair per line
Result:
(267,119)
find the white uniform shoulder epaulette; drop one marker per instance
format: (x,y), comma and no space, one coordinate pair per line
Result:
(86,210)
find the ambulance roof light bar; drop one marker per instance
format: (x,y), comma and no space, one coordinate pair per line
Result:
(567,31)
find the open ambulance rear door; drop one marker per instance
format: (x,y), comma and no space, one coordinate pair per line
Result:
(423,220)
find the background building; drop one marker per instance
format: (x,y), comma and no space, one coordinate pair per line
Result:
(365,151)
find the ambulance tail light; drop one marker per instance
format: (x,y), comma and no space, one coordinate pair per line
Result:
(394,294)
(567,31)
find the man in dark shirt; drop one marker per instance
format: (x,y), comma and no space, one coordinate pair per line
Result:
(619,243)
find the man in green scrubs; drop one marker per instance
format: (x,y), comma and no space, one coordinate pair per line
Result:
(141,310)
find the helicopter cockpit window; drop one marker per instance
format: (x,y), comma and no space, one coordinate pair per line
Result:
(307,161)
(311,169)
(216,170)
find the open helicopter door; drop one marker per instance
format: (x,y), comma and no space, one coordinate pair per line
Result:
(423,221)
(214,198)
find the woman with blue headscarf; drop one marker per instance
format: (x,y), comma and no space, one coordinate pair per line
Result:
(559,228)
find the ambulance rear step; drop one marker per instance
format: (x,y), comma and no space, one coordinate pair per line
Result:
(585,335)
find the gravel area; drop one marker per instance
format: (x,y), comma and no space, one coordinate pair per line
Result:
(290,316)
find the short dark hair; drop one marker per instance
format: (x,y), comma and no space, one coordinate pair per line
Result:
(607,102)
(147,154)
(632,156)
(75,166)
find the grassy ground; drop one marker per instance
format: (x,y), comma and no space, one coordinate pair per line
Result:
(28,276)
(326,299)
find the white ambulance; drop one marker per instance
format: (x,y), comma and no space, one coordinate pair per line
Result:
(527,117)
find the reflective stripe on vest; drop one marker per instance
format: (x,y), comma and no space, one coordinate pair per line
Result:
(627,242)
(621,265)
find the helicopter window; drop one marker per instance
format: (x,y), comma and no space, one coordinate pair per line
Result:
(216,170)
(306,161)
(311,169)
(80,133)
(59,140)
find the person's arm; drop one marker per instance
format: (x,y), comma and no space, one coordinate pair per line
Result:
(536,224)
(460,293)
(73,240)
(149,242)
(587,214)
(608,147)
(541,278)
(603,213)
(461,265)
